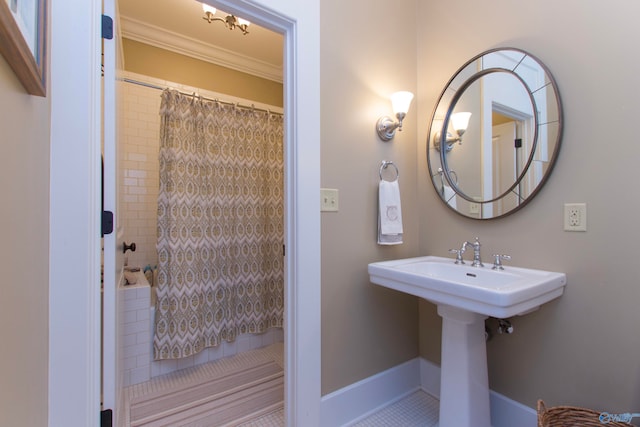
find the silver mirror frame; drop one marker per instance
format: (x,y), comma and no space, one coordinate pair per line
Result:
(438,168)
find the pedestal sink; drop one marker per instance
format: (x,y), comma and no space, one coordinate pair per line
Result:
(465,297)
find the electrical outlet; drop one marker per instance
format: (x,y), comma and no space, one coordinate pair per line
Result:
(575,217)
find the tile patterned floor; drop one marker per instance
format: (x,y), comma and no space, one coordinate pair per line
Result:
(274,419)
(418,409)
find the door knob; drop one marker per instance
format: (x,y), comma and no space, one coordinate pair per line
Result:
(125,247)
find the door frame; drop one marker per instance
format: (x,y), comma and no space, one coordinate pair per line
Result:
(74,242)
(74,213)
(302,210)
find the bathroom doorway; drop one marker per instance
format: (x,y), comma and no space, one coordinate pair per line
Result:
(138,91)
(74,325)
(177,48)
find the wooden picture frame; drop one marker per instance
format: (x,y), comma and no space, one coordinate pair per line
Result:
(23,44)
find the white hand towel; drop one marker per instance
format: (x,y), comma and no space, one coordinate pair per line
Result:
(389,213)
(449,196)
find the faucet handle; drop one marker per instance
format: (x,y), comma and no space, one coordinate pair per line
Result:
(497,261)
(458,253)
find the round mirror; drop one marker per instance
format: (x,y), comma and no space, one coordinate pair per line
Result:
(494,134)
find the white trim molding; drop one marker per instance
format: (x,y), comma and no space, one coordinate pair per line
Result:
(74,235)
(154,36)
(357,401)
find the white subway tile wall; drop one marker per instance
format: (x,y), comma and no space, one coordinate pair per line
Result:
(135,301)
(139,171)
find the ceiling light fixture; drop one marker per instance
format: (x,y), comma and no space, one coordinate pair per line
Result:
(231,21)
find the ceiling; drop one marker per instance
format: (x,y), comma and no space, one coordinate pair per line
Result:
(178,25)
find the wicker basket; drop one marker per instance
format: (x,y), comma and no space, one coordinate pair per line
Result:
(571,416)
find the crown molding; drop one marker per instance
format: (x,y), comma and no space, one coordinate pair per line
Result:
(174,42)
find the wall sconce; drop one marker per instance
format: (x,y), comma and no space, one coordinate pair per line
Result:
(230,21)
(459,122)
(385,126)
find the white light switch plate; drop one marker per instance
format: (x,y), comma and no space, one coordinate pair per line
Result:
(328,200)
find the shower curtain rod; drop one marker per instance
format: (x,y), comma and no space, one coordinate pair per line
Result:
(153,86)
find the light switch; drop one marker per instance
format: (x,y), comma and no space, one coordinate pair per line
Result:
(328,200)
(474,208)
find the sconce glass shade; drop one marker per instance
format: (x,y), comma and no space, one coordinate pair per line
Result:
(206,8)
(243,22)
(400,101)
(386,126)
(460,121)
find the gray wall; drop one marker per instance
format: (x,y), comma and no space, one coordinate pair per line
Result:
(582,349)
(367,53)
(24,253)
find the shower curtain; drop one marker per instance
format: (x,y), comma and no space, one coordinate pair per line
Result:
(220,224)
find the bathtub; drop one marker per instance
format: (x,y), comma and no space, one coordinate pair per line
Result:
(134,340)
(138,318)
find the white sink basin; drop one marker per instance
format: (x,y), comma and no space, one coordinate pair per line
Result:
(495,293)
(465,296)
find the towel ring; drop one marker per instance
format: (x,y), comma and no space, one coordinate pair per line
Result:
(384,165)
(451,173)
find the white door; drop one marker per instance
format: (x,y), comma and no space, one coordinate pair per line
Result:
(112,256)
(504,164)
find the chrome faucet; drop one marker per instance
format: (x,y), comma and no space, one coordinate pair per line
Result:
(477,261)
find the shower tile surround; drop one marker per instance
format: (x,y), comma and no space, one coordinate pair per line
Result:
(138,145)
(139,171)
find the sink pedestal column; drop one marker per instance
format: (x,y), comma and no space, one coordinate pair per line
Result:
(464,384)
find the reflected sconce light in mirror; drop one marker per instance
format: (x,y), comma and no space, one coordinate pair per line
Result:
(386,126)
(231,21)
(460,123)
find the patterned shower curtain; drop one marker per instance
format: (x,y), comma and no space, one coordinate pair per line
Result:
(220,224)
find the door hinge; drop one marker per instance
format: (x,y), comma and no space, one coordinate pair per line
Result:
(107,27)
(518,142)
(107,222)
(283,250)
(106,418)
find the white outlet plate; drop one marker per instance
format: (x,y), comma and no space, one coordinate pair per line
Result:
(328,200)
(575,217)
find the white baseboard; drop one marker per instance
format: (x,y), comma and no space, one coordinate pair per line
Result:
(508,413)
(359,400)
(430,377)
